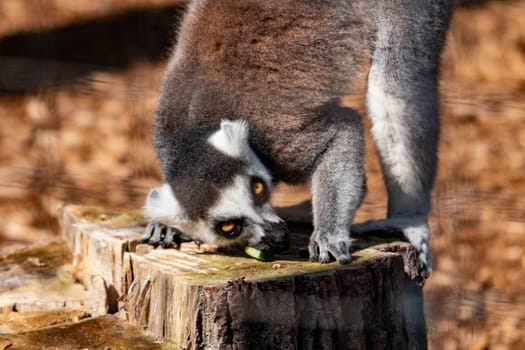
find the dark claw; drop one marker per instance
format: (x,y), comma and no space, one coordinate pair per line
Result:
(159,232)
(173,236)
(168,237)
(313,252)
(340,252)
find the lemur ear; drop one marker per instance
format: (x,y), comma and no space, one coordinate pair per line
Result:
(232,138)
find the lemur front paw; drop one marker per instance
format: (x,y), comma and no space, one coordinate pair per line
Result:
(324,247)
(157,233)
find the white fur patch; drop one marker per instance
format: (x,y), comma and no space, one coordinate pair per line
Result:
(232,139)
(390,133)
(269,215)
(257,168)
(199,230)
(236,201)
(162,205)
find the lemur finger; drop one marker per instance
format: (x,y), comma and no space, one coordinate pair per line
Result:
(320,255)
(313,250)
(148,232)
(169,237)
(341,251)
(319,251)
(172,237)
(158,233)
(324,256)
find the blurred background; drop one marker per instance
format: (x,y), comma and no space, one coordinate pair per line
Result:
(79,83)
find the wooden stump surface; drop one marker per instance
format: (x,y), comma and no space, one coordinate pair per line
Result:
(199,298)
(202,299)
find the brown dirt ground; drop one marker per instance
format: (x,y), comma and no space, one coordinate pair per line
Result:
(87,141)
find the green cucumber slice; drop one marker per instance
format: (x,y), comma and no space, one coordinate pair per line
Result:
(258,254)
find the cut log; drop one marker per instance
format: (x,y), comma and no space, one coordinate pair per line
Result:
(39,278)
(42,305)
(103,332)
(203,299)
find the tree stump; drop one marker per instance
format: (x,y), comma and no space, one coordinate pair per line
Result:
(199,298)
(42,305)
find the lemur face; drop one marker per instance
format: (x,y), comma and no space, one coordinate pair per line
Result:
(226,210)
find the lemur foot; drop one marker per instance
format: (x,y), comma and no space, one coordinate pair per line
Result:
(324,247)
(157,233)
(413,230)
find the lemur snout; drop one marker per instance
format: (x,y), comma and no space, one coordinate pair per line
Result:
(275,238)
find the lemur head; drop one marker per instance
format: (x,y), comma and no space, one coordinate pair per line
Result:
(216,189)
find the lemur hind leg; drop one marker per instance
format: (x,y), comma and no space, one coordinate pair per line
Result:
(338,186)
(403,104)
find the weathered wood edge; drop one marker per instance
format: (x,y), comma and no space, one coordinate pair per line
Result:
(98,239)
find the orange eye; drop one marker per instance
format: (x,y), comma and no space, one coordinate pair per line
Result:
(227,227)
(231,228)
(258,188)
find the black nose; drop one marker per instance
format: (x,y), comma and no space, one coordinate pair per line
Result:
(276,237)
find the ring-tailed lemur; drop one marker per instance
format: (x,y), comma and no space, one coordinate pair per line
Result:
(251,96)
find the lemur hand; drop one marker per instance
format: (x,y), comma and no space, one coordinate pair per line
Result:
(325,246)
(157,233)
